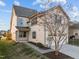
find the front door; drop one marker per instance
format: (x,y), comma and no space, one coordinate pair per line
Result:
(23,36)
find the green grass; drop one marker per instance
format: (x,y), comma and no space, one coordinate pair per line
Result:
(74,42)
(18,51)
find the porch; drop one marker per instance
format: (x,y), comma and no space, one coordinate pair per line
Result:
(22,34)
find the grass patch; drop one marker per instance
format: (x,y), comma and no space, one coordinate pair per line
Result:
(39,45)
(13,50)
(74,42)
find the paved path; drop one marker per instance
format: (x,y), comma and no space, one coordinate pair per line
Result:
(39,50)
(70,50)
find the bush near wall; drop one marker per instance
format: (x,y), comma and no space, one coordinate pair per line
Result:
(8,36)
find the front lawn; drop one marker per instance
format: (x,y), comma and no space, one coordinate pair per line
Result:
(13,50)
(74,42)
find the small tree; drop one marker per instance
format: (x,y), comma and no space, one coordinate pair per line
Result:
(8,36)
(57,25)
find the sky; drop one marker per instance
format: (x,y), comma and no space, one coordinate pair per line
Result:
(71,7)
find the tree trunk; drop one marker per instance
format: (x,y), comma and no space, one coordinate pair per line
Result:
(56,48)
(56,53)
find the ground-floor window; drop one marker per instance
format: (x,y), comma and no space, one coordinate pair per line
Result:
(34,35)
(76,34)
(22,34)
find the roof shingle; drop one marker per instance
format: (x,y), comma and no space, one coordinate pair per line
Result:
(24,12)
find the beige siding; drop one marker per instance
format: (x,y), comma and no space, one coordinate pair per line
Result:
(13,25)
(39,34)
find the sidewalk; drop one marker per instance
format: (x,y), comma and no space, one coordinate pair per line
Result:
(39,50)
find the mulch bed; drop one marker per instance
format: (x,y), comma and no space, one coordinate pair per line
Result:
(52,55)
(39,45)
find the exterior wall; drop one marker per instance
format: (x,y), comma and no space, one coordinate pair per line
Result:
(13,24)
(16,21)
(39,34)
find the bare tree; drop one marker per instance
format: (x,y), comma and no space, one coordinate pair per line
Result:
(57,26)
(56,23)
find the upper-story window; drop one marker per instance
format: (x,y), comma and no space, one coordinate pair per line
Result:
(34,35)
(58,19)
(34,21)
(21,21)
(76,34)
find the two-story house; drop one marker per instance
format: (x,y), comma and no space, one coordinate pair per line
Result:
(24,25)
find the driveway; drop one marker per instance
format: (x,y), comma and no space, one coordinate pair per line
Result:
(70,50)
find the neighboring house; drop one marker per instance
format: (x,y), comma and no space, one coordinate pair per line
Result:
(24,25)
(1,35)
(74,30)
(2,32)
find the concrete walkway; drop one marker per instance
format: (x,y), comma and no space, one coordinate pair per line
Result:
(39,50)
(70,50)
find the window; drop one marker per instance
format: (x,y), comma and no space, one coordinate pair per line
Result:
(58,19)
(22,34)
(34,35)
(76,34)
(21,23)
(34,21)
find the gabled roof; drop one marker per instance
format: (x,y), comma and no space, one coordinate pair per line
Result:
(74,25)
(23,12)
(60,8)
(51,9)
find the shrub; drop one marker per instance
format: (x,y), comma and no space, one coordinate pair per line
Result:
(37,44)
(8,35)
(40,45)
